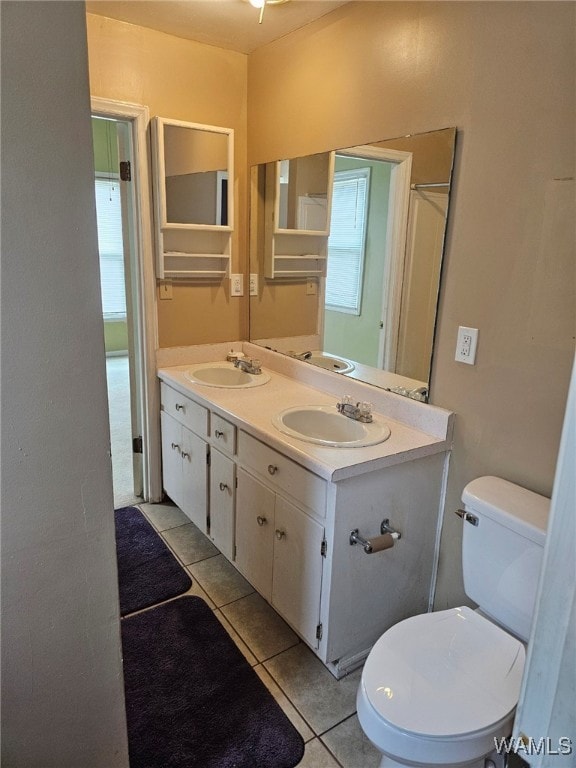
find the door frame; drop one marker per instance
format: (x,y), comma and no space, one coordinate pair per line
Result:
(395,247)
(144,285)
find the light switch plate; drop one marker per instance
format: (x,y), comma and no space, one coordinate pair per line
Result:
(466,345)
(253,284)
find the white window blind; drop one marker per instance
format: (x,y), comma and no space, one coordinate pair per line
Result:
(111,248)
(347,240)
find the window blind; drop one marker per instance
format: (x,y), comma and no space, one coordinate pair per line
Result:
(110,248)
(347,241)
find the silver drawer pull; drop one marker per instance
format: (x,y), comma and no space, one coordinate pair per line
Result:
(272,469)
(261,520)
(218,433)
(223,487)
(185,455)
(280,534)
(179,407)
(175,447)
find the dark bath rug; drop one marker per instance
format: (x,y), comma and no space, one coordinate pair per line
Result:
(148,572)
(192,699)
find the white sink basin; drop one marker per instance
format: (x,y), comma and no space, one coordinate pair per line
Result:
(331,362)
(224,375)
(322,424)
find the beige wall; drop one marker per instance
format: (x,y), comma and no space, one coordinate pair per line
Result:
(503,74)
(198,83)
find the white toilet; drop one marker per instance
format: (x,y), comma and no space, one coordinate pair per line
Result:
(438,688)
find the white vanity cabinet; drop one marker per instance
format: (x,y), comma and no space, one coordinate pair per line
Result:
(222,484)
(280,546)
(184,454)
(284,515)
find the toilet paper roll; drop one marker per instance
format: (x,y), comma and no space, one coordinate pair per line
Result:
(380,543)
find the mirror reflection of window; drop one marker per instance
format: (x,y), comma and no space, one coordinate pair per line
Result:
(347,241)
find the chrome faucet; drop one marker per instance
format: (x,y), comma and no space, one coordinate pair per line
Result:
(420,393)
(250,365)
(357,411)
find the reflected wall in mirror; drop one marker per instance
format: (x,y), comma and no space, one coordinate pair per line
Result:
(375,307)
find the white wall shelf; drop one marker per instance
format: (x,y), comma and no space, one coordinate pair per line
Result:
(192,164)
(290,250)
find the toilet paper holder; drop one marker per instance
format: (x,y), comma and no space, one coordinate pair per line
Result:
(388,536)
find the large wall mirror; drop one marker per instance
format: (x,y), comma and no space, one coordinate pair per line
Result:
(371,313)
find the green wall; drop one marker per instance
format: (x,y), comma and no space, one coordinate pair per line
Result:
(115,335)
(105,143)
(357,336)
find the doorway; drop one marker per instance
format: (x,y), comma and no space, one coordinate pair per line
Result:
(114,207)
(128,297)
(365,304)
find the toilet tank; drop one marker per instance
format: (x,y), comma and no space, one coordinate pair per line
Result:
(502,554)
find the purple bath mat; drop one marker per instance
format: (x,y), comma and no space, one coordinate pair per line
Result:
(192,699)
(148,572)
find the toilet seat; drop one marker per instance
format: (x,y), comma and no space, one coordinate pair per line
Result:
(444,683)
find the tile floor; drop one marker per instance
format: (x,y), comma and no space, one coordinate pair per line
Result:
(322,708)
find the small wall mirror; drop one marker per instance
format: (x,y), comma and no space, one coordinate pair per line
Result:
(193,172)
(372,316)
(194,162)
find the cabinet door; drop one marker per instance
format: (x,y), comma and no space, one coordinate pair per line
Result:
(194,502)
(171,458)
(297,575)
(255,532)
(222,478)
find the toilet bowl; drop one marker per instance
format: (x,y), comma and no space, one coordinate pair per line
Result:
(441,689)
(438,688)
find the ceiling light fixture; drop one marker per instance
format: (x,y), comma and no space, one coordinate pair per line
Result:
(261,4)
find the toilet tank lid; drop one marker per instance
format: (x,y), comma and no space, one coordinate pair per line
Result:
(509,504)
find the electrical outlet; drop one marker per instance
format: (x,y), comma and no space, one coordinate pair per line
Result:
(236,285)
(165,289)
(466,345)
(253,284)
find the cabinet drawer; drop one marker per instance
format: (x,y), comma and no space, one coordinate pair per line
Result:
(283,473)
(223,434)
(184,410)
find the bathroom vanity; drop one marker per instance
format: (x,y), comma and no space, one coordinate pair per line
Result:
(282,509)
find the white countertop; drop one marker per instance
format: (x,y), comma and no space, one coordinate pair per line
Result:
(252,410)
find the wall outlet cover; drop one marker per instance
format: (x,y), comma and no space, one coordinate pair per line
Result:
(466,345)
(253,284)
(236,285)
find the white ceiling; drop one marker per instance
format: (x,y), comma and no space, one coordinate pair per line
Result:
(231,24)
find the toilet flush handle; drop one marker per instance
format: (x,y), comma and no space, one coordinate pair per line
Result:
(468,516)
